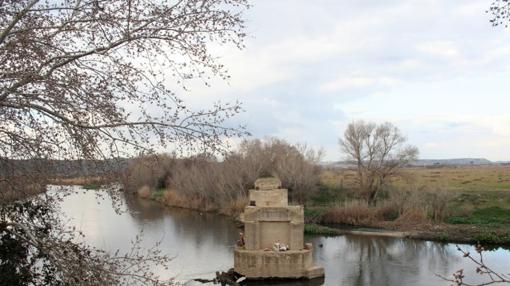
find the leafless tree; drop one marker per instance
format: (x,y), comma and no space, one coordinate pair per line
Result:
(87,78)
(379,152)
(296,165)
(98,79)
(205,182)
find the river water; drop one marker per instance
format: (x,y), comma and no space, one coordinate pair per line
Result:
(202,243)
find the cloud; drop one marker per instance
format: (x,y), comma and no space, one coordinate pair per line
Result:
(436,68)
(446,49)
(498,124)
(349,82)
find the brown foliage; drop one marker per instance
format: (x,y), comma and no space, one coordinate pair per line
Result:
(412,216)
(295,165)
(351,213)
(144,192)
(408,206)
(78,181)
(430,201)
(150,171)
(227,181)
(225,184)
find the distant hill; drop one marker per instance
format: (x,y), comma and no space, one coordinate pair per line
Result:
(337,164)
(426,163)
(452,162)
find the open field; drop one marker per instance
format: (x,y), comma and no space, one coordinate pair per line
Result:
(465,179)
(477,200)
(470,186)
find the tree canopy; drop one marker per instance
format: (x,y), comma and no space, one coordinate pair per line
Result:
(97,79)
(500,12)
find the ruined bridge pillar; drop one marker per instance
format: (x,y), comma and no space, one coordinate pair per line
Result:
(269,221)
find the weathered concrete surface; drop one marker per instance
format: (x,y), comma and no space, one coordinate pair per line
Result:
(287,213)
(269,220)
(257,264)
(265,226)
(267,184)
(269,198)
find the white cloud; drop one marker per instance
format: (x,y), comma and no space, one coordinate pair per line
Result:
(470,9)
(498,124)
(436,68)
(439,48)
(346,82)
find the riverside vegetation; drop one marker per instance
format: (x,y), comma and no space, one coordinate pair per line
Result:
(465,204)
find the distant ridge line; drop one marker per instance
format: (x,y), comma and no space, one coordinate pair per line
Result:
(427,163)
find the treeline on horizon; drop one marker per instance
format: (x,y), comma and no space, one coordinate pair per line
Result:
(63,168)
(113,168)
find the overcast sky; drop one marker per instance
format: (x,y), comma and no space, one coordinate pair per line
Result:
(435,68)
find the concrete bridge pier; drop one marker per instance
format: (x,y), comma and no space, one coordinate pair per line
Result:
(273,238)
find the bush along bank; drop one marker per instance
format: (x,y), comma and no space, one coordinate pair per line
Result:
(357,218)
(206,183)
(428,211)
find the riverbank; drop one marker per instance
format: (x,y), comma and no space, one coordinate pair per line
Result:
(414,228)
(192,238)
(87,182)
(467,204)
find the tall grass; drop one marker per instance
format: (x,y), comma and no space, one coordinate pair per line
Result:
(356,212)
(431,201)
(411,205)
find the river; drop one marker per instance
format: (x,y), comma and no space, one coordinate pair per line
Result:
(202,243)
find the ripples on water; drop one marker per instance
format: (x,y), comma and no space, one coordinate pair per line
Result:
(203,243)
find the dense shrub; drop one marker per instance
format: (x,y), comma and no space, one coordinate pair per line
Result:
(351,213)
(295,165)
(201,180)
(432,201)
(144,192)
(150,171)
(409,205)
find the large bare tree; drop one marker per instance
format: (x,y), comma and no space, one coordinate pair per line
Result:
(379,151)
(98,79)
(91,78)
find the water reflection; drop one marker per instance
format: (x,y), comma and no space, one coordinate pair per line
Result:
(143,211)
(202,243)
(362,260)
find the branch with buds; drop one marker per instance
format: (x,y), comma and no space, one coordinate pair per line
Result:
(482,268)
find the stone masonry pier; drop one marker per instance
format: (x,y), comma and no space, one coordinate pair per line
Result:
(273,239)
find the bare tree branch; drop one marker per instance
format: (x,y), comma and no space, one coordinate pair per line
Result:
(378,151)
(99,80)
